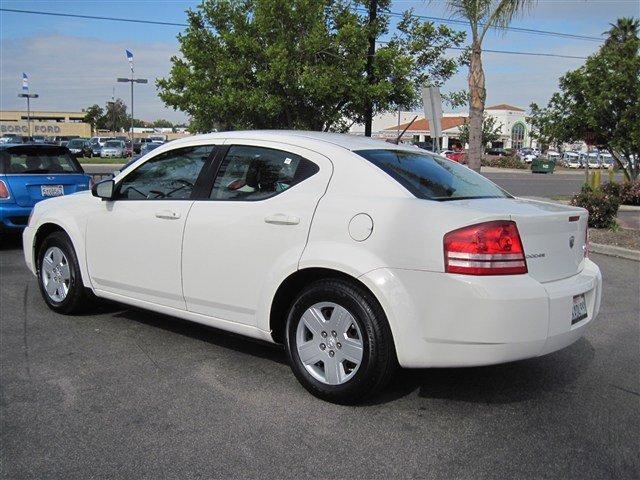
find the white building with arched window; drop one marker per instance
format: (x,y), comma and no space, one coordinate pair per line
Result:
(515,131)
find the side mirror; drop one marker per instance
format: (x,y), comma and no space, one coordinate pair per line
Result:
(104,189)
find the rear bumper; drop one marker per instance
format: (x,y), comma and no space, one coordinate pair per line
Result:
(444,320)
(14,217)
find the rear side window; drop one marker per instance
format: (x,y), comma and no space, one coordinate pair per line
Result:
(256,173)
(432,178)
(37,160)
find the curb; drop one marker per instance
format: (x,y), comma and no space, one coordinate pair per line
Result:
(615,251)
(629,208)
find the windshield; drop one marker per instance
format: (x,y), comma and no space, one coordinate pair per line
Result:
(431,177)
(75,143)
(31,159)
(113,143)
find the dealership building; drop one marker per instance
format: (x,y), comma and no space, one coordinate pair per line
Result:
(49,124)
(514,131)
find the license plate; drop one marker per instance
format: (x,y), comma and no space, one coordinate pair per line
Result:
(579,311)
(51,190)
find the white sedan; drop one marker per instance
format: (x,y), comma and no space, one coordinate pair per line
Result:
(356,254)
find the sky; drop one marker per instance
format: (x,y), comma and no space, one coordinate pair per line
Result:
(72,63)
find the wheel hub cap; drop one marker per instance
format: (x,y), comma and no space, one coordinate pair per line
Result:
(56,275)
(329,343)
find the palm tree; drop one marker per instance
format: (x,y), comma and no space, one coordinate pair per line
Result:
(624,29)
(482,15)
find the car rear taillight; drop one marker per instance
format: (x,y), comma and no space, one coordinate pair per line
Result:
(4,191)
(490,248)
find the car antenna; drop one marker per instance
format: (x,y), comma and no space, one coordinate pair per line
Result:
(397,142)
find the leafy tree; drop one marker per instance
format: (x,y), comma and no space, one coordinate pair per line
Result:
(92,115)
(299,64)
(162,123)
(598,102)
(115,117)
(490,131)
(623,30)
(482,15)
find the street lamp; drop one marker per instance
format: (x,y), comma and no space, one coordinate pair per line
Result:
(132,81)
(28,96)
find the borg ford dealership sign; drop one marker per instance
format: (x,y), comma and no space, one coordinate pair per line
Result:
(22,128)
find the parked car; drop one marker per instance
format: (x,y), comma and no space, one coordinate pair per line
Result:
(266,234)
(100,140)
(128,149)
(32,172)
(572,160)
(499,152)
(96,148)
(455,155)
(424,145)
(553,155)
(113,148)
(148,146)
(13,138)
(80,147)
(593,160)
(606,160)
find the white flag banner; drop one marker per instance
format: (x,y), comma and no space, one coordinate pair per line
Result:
(432,102)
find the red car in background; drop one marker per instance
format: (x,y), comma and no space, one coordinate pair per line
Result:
(456,155)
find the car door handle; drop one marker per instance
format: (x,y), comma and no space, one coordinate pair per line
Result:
(167,215)
(282,219)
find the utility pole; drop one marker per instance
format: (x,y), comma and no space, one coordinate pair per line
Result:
(25,94)
(371,52)
(132,81)
(28,96)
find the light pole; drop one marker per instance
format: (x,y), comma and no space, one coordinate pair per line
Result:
(132,81)
(28,96)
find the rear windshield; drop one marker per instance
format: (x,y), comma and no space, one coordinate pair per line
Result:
(75,143)
(431,177)
(33,160)
(113,143)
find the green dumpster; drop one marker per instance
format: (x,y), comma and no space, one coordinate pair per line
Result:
(542,165)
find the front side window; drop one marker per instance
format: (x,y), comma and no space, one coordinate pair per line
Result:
(170,175)
(37,160)
(256,173)
(431,177)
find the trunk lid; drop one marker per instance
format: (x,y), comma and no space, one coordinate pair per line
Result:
(27,189)
(553,235)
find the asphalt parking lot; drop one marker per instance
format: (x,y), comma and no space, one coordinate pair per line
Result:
(123,393)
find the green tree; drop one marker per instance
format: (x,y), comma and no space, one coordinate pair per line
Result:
(115,117)
(598,102)
(92,115)
(482,15)
(490,131)
(298,64)
(162,123)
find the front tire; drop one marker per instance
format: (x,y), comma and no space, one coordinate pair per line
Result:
(338,341)
(59,276)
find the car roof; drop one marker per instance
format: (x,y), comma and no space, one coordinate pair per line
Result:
(30,145)
(349,142)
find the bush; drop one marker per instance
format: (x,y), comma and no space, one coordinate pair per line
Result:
(611,188)
(630,193)
(602,206)
(503,162)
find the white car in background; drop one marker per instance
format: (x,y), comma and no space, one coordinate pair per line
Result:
(593,159)
(572,159)
(354,253)
(113,148)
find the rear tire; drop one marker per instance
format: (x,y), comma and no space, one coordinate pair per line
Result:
(338,341)
(59,276)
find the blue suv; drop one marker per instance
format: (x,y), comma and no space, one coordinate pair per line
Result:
(33,172)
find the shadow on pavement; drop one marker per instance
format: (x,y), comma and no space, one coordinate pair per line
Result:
(10,241)
(496,384)
(204,333)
